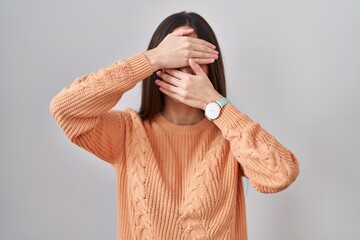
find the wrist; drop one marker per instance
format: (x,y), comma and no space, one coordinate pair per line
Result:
(212,98)
(152,59)
(213,109)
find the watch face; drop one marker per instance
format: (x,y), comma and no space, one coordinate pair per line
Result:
(212,110)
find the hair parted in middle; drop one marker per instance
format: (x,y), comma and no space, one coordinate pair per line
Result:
(152,101)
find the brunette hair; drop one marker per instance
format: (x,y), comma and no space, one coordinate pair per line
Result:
(152,101)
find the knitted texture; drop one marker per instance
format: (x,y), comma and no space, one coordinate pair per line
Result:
(173,182)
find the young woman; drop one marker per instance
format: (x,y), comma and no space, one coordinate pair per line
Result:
(180,159)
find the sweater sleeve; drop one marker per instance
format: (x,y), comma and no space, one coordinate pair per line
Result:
(269,166)
(83,109)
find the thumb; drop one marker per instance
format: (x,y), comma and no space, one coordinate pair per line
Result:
(196,68)
(183,32)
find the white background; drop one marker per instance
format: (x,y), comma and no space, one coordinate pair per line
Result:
(293,66)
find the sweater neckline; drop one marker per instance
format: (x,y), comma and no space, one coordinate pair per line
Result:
(181,129)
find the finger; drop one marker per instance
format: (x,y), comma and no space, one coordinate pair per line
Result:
(168,87)
(196,68)
(176,74)
(201,42)
(171,94)
(204,48)
(202,61)
(187,32)
(182,32)
(169,78)
(198,54)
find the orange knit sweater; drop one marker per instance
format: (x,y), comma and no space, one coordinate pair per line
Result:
(173,182)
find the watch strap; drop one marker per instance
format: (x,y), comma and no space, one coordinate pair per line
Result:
(222,102)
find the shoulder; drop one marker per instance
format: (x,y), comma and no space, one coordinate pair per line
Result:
(128,117)
(132,118)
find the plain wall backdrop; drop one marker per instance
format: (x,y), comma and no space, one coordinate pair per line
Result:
(293,66)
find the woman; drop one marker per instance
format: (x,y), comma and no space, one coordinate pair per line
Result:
(179,161)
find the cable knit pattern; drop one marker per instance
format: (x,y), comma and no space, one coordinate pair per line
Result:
(137,165)
(173,182)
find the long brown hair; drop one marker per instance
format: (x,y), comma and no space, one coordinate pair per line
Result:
(152,101)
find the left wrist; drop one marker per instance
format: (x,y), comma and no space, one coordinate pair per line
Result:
(212,98)
(213,109)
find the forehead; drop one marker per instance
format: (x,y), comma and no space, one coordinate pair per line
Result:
(182,28)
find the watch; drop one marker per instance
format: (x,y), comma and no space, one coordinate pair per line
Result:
(213,109)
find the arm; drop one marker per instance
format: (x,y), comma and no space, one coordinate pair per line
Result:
(269,165)
(82,109)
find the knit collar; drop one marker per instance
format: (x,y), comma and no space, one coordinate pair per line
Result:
(181,129)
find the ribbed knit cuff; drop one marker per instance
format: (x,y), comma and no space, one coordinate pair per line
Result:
(140,67)
(231,117)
